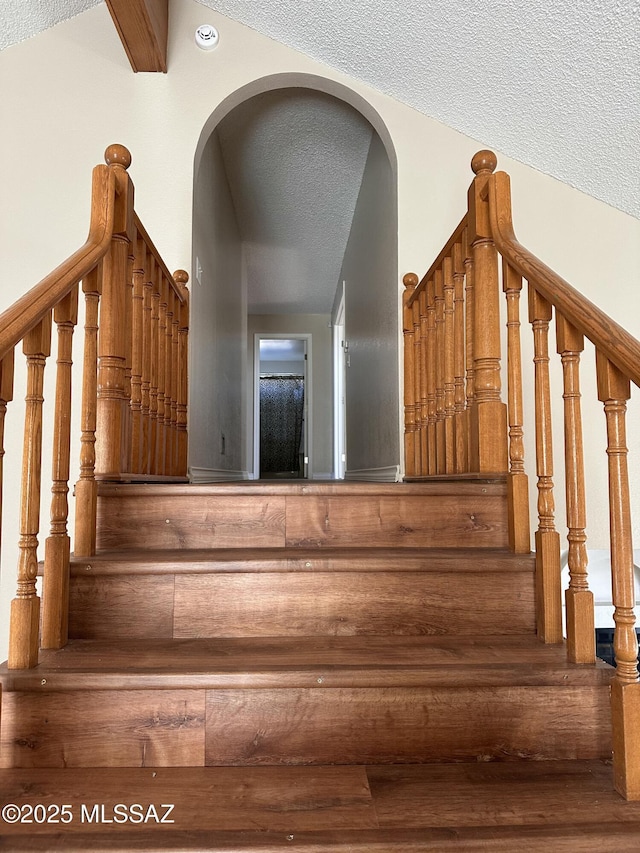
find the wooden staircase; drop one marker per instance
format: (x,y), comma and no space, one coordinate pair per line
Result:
(336,648)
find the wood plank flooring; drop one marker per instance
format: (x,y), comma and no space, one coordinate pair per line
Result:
(544,807)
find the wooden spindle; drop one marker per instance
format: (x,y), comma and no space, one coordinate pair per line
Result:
(489,415)
(175,358)
(153,387)
(127,429)
(417,368)
(432,414)
(424,367)
(440,348)
(469,319)
(166,459)
(614,391)
(581,643)
(113,405)
(459,363)
(449,365)
(25,607)
(517,480)
(410,282)
(86,490)
(181,278)
(162,367)
(548,586)
(137,344)
(55,589)
(145,385)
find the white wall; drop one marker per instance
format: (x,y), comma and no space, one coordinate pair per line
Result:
(69,92)
(318,326)
(218,325)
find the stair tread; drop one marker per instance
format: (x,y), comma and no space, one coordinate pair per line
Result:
(491,485)
(559,805)
(159,560)
(312,662)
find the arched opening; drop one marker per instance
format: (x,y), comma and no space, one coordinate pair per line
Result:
(295,235)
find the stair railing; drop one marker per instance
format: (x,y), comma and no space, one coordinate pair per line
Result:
(134,392)
(455,422)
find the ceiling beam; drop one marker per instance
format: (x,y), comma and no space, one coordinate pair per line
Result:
(143,26)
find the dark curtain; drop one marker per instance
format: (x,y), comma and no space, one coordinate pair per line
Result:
(281,410)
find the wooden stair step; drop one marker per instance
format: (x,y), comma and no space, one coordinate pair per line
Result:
(318,663)
(400,515)
(303,701)
(560,806)
(157,561)
(269,592)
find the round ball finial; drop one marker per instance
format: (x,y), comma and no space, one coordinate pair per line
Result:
(181,277)
(117,155)
(410,280)
(484,161)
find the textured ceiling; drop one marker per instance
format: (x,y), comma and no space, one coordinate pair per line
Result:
(554,85)
(294,159)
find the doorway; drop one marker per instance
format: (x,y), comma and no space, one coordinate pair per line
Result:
(282,396)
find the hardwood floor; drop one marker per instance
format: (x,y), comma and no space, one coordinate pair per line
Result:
(555,807)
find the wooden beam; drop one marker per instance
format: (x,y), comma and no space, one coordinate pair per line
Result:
(142,26)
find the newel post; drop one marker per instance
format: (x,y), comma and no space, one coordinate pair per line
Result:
(488,412)
(112,414)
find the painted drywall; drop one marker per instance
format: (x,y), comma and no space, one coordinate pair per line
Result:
(319,327)
(218,324)
(371,320)
(69,92)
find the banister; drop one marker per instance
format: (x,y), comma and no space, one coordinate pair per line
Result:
(158,257)
(21,317)
(455,237)
(609,337)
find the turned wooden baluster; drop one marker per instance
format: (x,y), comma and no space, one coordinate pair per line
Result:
(449,365)
(86,490)
(181,278)
(489,414)
(548,586)
(137,344)
(153,387)
(432,414)
(440,360)
(25,607)
(113,405)
(517,481)
(175,370)
(424,367)
(581,643)
(459,353)
(417,382)
(410,282)
(168,382)
(127,436)
(146,366)
(614,391)
(55,589)
(162,374)
(469,320)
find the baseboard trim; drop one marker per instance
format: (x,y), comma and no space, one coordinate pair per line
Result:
(390,474)
(215,475)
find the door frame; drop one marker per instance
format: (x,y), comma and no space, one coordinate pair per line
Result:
(308,397)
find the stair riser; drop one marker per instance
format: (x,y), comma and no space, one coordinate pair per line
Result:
(276,521)
(303,726)
(299,604)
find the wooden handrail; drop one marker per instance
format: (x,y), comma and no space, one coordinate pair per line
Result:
(21,317)
(180,292)
(455,237)
(609,337)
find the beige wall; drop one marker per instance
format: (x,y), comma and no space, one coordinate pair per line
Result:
(318,327)
(69,92)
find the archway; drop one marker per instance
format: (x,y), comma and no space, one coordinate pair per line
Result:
(289,169)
